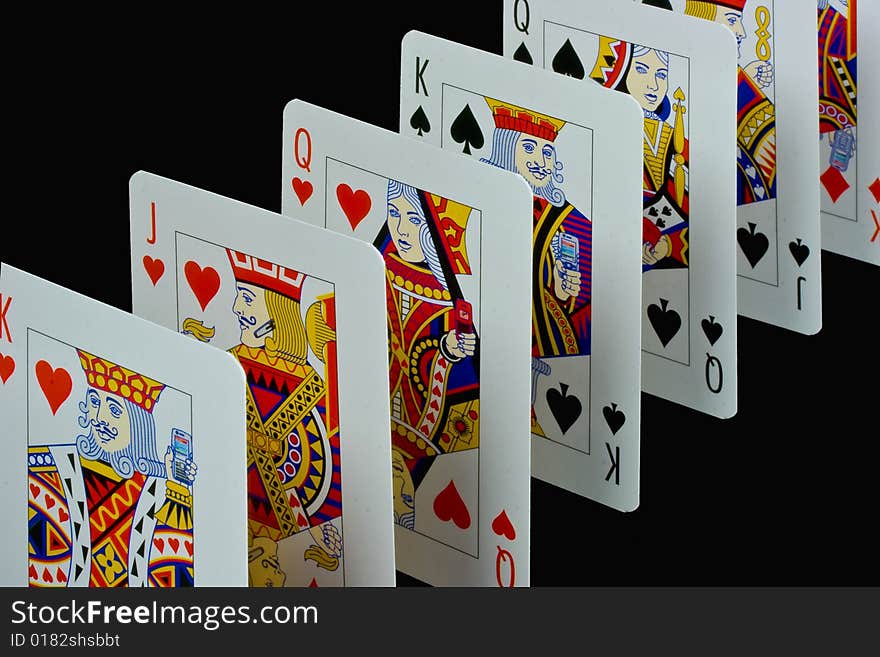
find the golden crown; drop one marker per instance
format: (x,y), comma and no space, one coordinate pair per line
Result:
(512,117)
(117,380)
(611,61)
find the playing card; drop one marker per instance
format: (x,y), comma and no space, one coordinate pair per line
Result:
(578,149)
(849,138)
(672,66)
(778,225)
(299,309)
(455,239)
(123,447)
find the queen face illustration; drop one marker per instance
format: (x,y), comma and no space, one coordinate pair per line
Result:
(405,223)
(648,79)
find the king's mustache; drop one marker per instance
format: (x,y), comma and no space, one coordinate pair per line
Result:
(104,428)
(537,169)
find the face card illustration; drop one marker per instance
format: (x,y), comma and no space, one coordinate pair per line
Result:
(671,65)
(776,184)
(453,240)
(558,136)
(117,448)
(849,155)
(289,302)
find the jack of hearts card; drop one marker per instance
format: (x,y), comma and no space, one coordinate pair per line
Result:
(291,303)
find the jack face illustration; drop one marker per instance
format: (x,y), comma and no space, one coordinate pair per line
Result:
(253,314)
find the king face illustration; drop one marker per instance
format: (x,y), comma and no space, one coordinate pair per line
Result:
(293,452)
(97,513)
(644,74)
(756,117)
(434,347)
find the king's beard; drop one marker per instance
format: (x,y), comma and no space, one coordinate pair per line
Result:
(90,449)
(549,192)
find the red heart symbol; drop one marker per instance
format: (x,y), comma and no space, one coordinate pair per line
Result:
(154,268)
(438,377)
(46,576)
(60,576)
(355,205)
(303,190)
(302,522)
(62,515)
(435,405)
(160,544)
(189,547)
(174,543)
(448,505)
(313,584)
(55,384)
(50,502)
(7,367)
(35,491)
(32,572)
(503,527)
(203,282)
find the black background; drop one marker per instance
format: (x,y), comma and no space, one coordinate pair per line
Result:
(784,493)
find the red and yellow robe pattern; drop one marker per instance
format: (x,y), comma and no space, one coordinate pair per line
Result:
(434,396)
(294,479)
(756,143)
(87,525)
(837,69)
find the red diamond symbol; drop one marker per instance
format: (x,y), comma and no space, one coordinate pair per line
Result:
(835,183)
(874,188)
